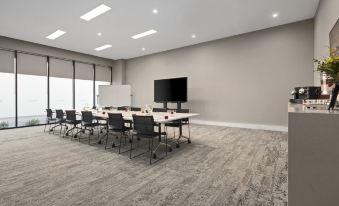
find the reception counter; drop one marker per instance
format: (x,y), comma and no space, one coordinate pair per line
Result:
(313,157)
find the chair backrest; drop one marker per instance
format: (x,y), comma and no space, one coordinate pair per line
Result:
(87,116)
(116,121)
(121,108)
(182,111)
(136,109)
(143,125)
(59,114)
(185,120)
(71,115)
(159,110)
(49,113)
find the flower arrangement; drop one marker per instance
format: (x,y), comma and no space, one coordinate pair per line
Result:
(329,66)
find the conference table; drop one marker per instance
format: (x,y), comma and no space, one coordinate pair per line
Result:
(160,118)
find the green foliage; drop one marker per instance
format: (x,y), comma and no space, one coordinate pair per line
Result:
(4,125)
(32,122)
(330,66)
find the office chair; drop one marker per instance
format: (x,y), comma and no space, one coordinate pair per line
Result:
(159,110)
(88,123)
(136,109)
(116,125)
(144,128)
(178,124)
(49,120)
(60,120)
(71,119)
(122,108)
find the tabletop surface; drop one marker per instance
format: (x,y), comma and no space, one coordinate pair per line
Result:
(159,117)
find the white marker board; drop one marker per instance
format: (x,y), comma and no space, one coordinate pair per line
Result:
(114,95)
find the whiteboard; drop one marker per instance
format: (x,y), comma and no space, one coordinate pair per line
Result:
(114,95)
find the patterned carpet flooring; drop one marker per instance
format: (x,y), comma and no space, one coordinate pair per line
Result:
(222,166)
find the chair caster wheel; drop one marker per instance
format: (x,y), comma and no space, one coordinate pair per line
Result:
(99,142)
(189,141)
(177,145)
(130,141)
(92,133)
(51,130)
(113,145)
(154,156)
(83,131)
(66,127)
(170,149)
(75,136)
(138,139)
(66,134)
(101,132)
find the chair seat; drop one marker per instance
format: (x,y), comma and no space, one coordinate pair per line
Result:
(154,134)
(89,124)
(173,124)
(73,122)
(119,130)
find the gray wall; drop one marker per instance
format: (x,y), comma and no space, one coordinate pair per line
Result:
(243,79)
(15,44)
(326,17)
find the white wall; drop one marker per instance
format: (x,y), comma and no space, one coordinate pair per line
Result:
(326,17)
(244,79)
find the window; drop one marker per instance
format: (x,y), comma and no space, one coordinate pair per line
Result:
(32,90)
(61,84)
(7,90)
(102,77)
(84,74)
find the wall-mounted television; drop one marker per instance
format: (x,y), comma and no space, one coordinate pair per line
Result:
(170,90)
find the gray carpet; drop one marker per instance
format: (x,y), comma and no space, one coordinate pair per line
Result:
(222,166)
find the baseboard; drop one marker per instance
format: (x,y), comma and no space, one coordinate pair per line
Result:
(241,125)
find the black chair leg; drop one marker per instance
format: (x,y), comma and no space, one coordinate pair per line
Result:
(120,142)
(150,159)
(106,140)
(130,153)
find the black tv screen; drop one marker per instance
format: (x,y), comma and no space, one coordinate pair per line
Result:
(170,90)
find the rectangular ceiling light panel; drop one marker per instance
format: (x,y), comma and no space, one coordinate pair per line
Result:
(95,12)
(146,33)
(55,35)
(103,47)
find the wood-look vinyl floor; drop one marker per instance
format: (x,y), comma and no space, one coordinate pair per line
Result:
(222,166)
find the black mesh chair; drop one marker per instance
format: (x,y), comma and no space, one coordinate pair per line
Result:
(178,124)
(60,120)
(71,119)
(116,125)
(122,108)
(159,110)
(88,123)
(49,120)
(136,109)
(144,129)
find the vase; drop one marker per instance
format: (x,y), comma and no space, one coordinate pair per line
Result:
(334,96)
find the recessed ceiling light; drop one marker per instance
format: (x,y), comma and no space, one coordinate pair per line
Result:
(194,36)
(155,11)
(99,33)
(275,15)
(143,49)
(55,35)
(103,47)
(95,12)
(146,33)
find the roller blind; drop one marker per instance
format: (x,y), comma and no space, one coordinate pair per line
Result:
(84,71)
(61,68)
(6,61)
(102,74)
(32,65)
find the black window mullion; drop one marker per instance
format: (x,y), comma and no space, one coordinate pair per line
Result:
(94,95)
(73,84)
(16,86)
(48,83)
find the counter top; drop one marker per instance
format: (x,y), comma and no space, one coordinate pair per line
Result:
(300,108)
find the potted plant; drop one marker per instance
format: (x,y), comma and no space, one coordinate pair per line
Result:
(330,66)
